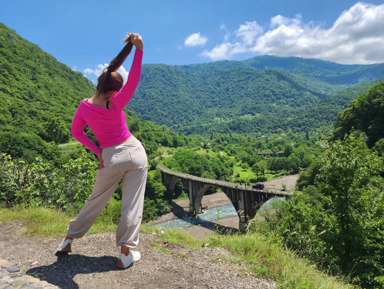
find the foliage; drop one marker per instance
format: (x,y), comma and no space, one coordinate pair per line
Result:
(36,90)
(41,184)
(339,222)
(28,146)
(366,114)
(322,115)
(155,203)
(202,165)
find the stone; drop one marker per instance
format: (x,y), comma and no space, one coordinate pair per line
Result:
(16,283)
(5,278)
(13,269)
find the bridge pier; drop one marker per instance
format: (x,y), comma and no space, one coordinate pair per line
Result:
(195,192)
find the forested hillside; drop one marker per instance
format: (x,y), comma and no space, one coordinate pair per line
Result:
(256,95)
(323,114)
(366,114)
(35,87)
(240,98)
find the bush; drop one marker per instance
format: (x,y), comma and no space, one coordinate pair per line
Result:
(28,146)
(338,219)
(42,184)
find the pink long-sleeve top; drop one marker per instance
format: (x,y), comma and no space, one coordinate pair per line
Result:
(108,125)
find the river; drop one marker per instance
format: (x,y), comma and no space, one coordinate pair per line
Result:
(209,215)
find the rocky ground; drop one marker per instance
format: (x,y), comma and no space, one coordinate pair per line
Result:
(92,262)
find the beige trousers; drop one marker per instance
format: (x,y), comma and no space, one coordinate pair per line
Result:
(127,161)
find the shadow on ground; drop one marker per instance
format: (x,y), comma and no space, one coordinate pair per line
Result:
(62,272)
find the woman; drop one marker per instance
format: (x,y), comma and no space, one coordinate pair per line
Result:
(122,156)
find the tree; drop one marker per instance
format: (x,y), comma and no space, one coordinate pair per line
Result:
(366,114)
(258,169)
(338,218)
(345,181)
(288,149)
(56,130)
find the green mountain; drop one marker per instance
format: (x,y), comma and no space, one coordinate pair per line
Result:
(365,114)
(190,101)
(323,114)
(36,89)
(249,96)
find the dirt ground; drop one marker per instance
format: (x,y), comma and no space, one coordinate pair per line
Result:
(163,265)
(92,263)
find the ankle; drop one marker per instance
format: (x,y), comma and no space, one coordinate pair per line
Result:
(125,250)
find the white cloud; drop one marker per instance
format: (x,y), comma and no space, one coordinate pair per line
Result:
(357,36)
(124,73)
(93,74)
(195,39)
(88,71)
(249,32)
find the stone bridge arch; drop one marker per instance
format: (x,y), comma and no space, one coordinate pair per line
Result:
(246,200)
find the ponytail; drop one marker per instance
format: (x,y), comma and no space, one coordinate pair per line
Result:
(110,79)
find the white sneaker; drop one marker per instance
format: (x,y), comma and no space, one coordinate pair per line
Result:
(65,247)
(126,261)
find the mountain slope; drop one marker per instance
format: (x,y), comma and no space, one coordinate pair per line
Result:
(35,87)
(248,96)
(183,99)
(324,113)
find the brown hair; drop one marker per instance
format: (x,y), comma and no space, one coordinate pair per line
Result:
(110,79)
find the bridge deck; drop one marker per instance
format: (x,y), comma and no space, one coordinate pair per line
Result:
(222,183)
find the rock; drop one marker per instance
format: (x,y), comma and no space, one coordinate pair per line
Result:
(13,269)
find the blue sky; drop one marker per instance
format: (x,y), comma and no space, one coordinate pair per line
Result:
(87,34)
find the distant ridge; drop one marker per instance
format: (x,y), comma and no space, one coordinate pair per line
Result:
(249,96)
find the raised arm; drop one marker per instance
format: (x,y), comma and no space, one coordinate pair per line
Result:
(121,98)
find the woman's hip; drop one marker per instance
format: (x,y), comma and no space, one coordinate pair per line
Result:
(131,154)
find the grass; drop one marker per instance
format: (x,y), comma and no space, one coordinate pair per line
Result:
(50,222)
(269,260)
(262,256)
(70,146)
(37,221)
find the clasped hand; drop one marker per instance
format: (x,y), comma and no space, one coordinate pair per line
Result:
(136,40)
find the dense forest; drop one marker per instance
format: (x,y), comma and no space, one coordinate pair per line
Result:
(257,95)
(244,122)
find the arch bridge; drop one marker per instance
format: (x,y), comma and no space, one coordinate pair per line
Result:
(245,199)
